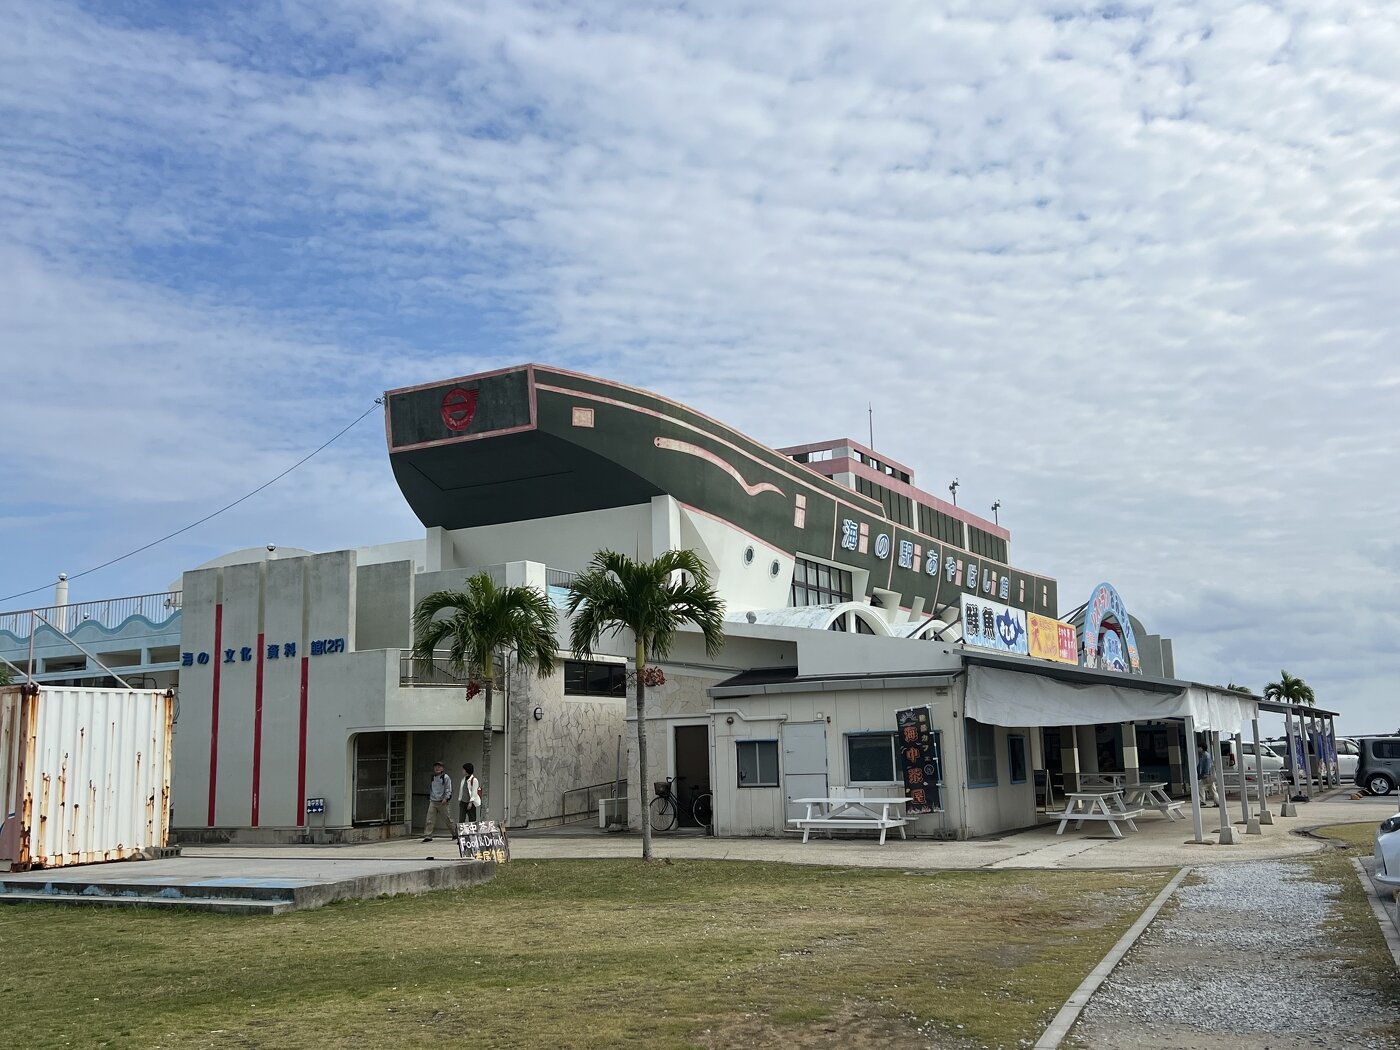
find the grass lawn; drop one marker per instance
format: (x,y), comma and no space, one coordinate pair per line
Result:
(583,954)
(1357,938)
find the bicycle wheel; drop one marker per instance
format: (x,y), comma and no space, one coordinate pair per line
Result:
(702,809)
(663,813)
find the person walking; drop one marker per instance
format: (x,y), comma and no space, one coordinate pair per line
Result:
(1205,774)
(471,795)
(439,803)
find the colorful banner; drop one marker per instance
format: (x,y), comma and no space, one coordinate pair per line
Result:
(1109,642)
(1052,639)
(992,625)
(916,754)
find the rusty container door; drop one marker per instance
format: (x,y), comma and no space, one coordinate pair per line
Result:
(91,777)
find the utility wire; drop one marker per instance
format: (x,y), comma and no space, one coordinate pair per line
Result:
(207,517)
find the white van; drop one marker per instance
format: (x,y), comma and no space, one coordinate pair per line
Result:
(1273,761)
(1348,755)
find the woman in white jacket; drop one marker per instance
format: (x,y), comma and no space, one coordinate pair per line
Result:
(470,797)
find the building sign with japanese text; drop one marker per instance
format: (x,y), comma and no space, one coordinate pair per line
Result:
(992,625)
(1052,639)
(242,654)
(1109,641)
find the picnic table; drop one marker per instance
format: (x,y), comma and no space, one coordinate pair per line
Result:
(1106,806)
(1152,795)
(1101,781)
(826,814)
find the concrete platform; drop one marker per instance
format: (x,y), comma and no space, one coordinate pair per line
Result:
(264,880)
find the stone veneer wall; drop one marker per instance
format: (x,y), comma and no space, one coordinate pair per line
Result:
(573,745)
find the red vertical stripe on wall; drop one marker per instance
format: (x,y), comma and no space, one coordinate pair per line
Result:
(214,711)
(301,751)
(257,730)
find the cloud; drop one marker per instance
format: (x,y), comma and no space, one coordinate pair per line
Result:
(1126,268)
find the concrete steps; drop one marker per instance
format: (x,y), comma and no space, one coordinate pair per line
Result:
(239,884)
(235,898)
(224,905)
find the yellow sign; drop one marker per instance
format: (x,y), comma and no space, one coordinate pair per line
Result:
(1052,639)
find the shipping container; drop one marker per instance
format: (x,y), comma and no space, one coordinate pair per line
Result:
(85,774)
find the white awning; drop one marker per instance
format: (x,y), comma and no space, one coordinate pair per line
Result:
(1013,698)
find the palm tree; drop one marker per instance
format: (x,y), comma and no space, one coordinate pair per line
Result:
(1290,690)
(651,599)
(483,621)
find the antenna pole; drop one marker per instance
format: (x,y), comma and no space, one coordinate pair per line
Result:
(870,412)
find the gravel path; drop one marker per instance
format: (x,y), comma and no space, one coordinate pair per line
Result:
(1238,960)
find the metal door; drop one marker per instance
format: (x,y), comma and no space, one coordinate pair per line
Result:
(804,765)
(372,765)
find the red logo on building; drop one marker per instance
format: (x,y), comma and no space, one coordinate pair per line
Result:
(458,408)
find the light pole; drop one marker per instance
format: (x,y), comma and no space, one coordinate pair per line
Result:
(996,506)
(953,488)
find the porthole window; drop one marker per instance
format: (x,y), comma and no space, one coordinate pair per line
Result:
(775,568)
(748,555)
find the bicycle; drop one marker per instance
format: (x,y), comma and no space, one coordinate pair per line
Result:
(665,808)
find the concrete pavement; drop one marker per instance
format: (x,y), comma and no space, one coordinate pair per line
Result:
(1158,843)
(270,879)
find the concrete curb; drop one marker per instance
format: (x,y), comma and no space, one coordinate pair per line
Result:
(1388,930)
(1063,1021)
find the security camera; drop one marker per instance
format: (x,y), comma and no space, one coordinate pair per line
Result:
(271,547)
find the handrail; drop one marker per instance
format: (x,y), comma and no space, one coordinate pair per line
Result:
(415,672)
(590,800)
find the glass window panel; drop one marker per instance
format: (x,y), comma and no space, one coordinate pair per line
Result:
(981,754)
(1016,753)
(757,762)
(575,678)
(870,757)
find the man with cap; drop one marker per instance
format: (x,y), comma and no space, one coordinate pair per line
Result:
(439,803)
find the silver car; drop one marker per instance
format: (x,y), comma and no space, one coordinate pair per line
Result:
(1388,853)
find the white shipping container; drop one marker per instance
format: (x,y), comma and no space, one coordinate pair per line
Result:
(85,774)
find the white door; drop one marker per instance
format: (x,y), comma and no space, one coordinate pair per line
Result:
(804,764)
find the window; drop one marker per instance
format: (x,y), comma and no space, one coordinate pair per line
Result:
(1386,749)
(870,758)
(981,754)
(816,584)
(589,679)
(1016,753)
(758,763)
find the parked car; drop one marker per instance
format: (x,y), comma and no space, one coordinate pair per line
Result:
(1388,853)
(1378,768)
(1273,761)
(1348,757)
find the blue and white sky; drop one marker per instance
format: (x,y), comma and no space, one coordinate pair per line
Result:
(1131,269)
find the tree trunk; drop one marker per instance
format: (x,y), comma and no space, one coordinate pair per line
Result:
(643,788)
(488,672)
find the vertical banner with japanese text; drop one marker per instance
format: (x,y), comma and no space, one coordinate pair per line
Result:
(913,730)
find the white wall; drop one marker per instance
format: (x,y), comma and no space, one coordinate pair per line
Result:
(761,811)
(567,541)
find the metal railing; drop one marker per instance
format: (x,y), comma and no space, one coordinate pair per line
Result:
(586,800)
(108,612)
(559,577)
(417,672)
